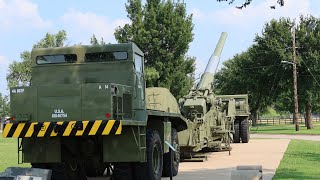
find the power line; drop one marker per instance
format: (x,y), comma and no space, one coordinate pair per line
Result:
(311,73)
(260,67)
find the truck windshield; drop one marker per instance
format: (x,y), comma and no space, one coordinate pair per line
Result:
(106,56)
(56,59)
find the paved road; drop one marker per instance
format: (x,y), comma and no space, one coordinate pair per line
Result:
(265,152)
(284,136)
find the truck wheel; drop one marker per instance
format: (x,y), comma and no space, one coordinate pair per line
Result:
(174,155)
(244,129)
(154,156)
(122,171)
(152,169)
(236,135)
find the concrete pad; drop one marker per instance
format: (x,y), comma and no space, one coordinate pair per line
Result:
(252,167)
(25,174)
(265,152)
(246,175)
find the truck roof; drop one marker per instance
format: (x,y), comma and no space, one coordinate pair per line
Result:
(81,50)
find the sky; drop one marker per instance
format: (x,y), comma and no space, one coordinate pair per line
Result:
(24,22)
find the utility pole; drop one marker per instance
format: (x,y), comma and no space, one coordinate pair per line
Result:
(295,84)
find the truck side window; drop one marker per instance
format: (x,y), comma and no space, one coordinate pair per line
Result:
(106,56)
(138,63)
(56,59)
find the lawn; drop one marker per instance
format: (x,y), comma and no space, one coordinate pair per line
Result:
(9,153)
(301,161)
(285,129)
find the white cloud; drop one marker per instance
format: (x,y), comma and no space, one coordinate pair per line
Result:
(20,14)
(84,24)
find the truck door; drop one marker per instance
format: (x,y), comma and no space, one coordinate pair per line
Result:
(139,82)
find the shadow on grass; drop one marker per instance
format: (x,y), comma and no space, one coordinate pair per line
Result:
(286,173)
(308,156)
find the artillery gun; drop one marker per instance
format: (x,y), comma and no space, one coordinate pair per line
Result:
(211,119)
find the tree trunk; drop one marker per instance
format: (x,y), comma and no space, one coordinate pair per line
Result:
(308,116)
(254,117)
(293,118)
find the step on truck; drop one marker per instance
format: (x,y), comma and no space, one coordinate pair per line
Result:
(88,113)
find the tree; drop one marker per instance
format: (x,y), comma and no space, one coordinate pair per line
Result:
(4,107)
(94,40)
(257,71)
(52,40)
(308,34)
(248,2)
(268,82)
(20,72)
(163,31)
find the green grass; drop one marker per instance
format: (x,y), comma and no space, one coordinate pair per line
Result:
(301,161)
(285,129)
(9,153)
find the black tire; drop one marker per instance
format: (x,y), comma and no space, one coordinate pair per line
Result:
(94,167)
(122,171)
(154,156)
(144,171)
(175,155)
(244,131)
(236,135)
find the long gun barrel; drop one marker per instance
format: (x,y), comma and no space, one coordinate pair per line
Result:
(208,75)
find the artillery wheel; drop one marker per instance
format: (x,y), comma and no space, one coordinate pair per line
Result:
(236,135)
(244,131)
(175,155)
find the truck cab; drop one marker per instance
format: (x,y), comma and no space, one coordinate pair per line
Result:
(82,83)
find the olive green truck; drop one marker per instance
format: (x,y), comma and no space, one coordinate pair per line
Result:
(87,113)
(87,108)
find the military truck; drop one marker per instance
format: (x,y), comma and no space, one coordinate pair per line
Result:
(241,124)
(88,110)
(214,121)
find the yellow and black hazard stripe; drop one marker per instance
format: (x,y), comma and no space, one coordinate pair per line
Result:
(66,128)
